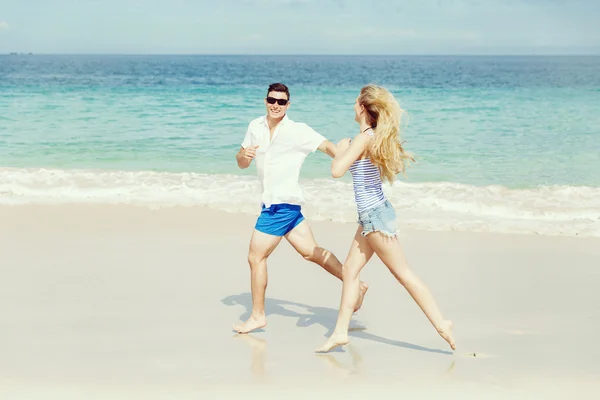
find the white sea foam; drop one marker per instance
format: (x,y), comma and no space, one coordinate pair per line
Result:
(551,210)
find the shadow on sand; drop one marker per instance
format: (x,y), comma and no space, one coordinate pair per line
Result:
(326,317)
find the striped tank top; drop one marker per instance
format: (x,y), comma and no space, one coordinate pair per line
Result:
(366,180)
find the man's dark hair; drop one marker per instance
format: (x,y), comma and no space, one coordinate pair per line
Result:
(279,87)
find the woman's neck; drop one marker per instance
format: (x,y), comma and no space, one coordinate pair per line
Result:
(364,126)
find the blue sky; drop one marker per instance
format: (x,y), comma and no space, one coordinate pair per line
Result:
(301,26)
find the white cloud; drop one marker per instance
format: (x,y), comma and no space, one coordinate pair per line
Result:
(3,25)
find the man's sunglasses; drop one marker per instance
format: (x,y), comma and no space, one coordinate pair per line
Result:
(281,102)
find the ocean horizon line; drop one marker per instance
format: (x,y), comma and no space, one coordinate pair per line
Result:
(469,55)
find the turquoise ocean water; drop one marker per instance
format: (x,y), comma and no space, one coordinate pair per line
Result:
(503,143)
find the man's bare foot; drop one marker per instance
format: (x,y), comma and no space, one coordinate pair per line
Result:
(252,324)
(332,342)
(445,331)
(361,295)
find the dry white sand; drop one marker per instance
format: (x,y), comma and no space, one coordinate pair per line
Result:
(115,302)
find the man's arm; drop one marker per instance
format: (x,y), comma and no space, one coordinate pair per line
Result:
(328,148)
(244,156)
(247,151)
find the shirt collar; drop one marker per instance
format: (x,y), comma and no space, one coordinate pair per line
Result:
(283,121)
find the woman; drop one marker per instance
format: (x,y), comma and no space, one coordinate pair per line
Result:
(374,155)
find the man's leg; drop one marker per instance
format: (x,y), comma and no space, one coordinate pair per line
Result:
(261,246)
(302,239)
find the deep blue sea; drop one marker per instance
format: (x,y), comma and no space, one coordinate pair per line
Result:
(506,144)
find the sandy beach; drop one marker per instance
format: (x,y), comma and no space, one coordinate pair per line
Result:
(113,302)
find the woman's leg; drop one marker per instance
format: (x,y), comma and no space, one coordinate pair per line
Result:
(360,253)
(388,249)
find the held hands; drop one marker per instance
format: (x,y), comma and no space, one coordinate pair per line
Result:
(343,145)
(250,152)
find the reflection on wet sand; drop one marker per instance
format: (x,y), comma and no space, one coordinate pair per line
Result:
(258,347)
(343,369)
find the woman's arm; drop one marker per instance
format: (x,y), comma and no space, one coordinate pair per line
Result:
(347,152)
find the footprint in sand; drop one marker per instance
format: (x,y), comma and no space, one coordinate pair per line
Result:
(477,355)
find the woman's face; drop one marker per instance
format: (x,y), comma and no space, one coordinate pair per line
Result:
(359,111)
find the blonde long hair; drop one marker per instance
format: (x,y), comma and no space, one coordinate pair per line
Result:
(383,113)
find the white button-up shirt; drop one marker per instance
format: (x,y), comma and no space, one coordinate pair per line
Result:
(278,161)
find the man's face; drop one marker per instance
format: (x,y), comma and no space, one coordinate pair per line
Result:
(276,110)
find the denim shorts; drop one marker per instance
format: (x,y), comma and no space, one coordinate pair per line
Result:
(381,218)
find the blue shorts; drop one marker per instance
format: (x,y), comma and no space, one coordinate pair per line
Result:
(381,218)
(279,219)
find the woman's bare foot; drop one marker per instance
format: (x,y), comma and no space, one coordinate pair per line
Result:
(251,324)
(332,342)
(361,295)
(445,331)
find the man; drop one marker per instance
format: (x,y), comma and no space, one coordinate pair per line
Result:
(280,146)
